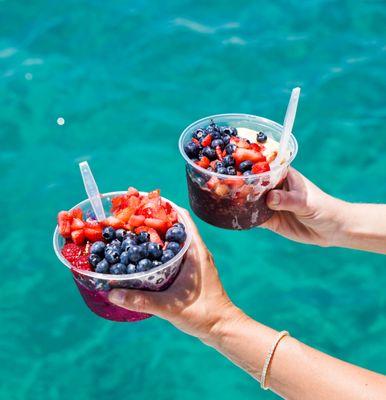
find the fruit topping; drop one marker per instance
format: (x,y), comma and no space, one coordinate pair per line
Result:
(128,241)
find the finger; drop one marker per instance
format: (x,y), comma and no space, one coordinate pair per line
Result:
(294,179)
(136,300)
(282,200)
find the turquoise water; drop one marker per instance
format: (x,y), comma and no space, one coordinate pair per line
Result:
(127,77)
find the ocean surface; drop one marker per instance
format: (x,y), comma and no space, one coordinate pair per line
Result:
(115,83)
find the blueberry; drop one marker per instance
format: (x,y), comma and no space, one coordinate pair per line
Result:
(94,259)
(112,256)
(228,161)
(113,247)
(222,170)
(124,258)
(230,148)
(261,137)
(209,152)
(154,251)
(233,131)
(118,269)
(98,248)
(246,173)
(217,142)
(216,135)
(175,234)
(179,225)
(131,269)
(144,265)
(143,237)
(108,233)
(130,235)
(102,267)
(134,253)
(128,242)
(174,247)
(115,243)
(191,149)
(144,250)
(226,139)
(156,263)
(226,130)
(231,170)
(199,133)
(245,165)
(120,234)
(166,256)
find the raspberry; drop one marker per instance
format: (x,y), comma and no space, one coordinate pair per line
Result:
(71,252)
(82,263)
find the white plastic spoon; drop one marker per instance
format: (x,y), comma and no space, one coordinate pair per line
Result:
(288,124)
(92,191)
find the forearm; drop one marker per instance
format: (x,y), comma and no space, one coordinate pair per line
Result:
(362,227)
(296,371)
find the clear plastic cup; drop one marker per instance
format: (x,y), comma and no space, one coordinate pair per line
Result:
(94,287)
(235,202)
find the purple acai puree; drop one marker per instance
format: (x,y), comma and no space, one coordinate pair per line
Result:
(98,302)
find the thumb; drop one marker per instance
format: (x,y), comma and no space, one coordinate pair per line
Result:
(135,300)
(282,200)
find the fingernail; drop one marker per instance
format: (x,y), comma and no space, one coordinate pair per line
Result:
(274,199)
(117,296)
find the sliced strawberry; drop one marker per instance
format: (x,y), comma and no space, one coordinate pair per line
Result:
(82,263)
(207,140)
(115,222)
(136,220)
(158,224)
(219,153)
(155,194)
(71,252)
(241,155)
(154,237)
(204,162)
(260,167)
(243,144)
(125,214)
(212,183)
(234,140)
(255,147)
(167,207)
(234,183)
(78,236)
(173,217)
(197,142)
(93,235)
(76,213)
(64,223)
(132,192)
(77,224)
(118,203)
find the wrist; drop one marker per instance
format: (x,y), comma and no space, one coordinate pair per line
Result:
(337,222)
(226,321)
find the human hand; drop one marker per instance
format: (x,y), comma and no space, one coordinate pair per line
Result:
(304,212)
(194,303)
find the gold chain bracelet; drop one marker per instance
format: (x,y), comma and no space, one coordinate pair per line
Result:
(268,359)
